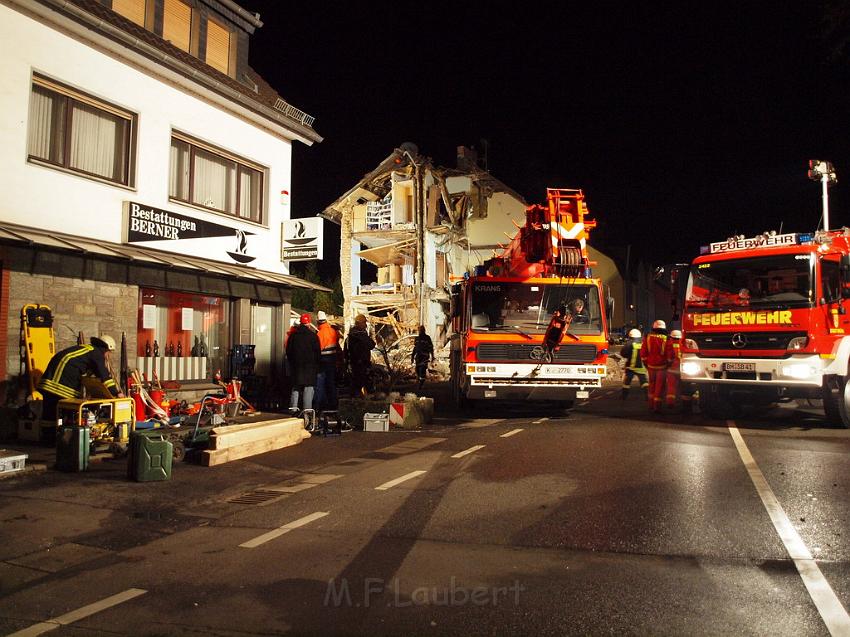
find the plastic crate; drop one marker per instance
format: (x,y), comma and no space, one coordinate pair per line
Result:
(12,461)
(376,422)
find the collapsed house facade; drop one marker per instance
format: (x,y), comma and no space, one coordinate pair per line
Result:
(421,227)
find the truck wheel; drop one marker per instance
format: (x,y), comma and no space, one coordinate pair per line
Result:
(458,397)
(716,404)
(843,404)
(832,393)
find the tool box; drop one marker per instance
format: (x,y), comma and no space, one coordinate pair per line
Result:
(12,461)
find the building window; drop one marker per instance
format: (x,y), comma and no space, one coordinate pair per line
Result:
(76,132)
(134,10)
(208,177)
(183,325)
(177,24)
(218,46)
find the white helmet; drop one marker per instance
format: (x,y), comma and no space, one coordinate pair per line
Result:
(659,325)
(634,333)
(676,334)
(104,339)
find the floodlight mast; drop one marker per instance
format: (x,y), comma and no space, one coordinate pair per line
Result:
(824,172)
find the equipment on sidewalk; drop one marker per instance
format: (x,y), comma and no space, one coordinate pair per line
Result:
(37,348)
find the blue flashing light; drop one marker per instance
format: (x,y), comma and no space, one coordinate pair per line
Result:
(806,237)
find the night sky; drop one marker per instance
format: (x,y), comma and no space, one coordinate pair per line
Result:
(683,123)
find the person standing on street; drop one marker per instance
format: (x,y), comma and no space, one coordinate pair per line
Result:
(63,377)
(654,355)
(326,397)
(302,352)
(674,373)
(634,363)
(358,356)
(423,353)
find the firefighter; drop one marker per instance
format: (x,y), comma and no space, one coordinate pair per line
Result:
(63,377)
(654,356)
(674,374)
(634,363)
(326,396)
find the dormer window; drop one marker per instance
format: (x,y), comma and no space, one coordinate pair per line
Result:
(177,24)
(220,43)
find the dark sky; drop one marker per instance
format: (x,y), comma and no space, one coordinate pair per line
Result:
(683,123)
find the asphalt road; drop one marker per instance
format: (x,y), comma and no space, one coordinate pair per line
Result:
(513,519)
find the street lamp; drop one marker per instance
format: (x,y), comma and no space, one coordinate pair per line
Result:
(824,172)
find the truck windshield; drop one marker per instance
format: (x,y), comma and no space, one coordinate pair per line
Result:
(526,308)
(783,280)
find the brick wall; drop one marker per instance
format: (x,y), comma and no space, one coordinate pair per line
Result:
(92,307)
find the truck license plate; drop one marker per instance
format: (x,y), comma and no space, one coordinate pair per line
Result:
(739,367)
(489,393)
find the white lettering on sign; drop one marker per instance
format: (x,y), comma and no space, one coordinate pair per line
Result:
(158,224)
(761,241)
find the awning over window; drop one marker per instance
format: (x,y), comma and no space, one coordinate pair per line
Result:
(10,233)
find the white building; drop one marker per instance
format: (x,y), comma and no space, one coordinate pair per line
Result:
(147,171)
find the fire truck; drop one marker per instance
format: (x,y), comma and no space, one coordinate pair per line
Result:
(765,319)
(531,322)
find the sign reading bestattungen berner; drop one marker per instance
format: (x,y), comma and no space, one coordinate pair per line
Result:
(301,239)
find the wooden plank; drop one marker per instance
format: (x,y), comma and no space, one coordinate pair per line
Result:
(248,436)
(252,425)
(211,458)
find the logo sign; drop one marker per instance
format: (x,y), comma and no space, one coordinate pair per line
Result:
(302,239)
(761,241)
(147,223)
(775,317)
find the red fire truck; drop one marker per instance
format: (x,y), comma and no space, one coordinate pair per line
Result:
(765,320)
(531,322)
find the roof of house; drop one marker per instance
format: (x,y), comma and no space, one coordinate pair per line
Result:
(258,96)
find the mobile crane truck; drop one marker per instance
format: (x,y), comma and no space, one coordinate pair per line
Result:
(765,319)
(531,323)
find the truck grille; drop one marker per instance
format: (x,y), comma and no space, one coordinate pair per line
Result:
(754,340)
(505,352)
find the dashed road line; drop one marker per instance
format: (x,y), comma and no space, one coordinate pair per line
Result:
(286,528)
(409,446)
(466,452)
(832,612)
(404,478)
(510,433)
(537,422)
(80,613)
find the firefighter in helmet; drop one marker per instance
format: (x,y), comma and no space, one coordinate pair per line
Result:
(654,352)
(63,377)
(634,363)
(673,376)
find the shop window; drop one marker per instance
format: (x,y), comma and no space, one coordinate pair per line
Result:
(178,325)
(219,42)
(76,132)
(177,24)
(262,326)
(205,176)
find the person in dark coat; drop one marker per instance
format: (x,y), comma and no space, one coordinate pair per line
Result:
(302,352)
(423,353)
(358,356)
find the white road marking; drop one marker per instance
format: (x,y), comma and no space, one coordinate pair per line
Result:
(510,433)
(829,606)
(80,613)
(404,478)
(466,452)
(481,422)
(410,446)
(286,528)
(544,419)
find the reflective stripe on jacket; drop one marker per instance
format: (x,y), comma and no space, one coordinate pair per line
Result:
(654,354)
(328,340)
(64,374)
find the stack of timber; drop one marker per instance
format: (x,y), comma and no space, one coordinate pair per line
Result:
(235,442)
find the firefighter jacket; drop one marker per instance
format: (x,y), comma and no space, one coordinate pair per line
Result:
(632,355)
(64,374)
(329,340)
(674,355)
(654,350)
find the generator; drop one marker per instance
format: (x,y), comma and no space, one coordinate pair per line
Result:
(110,420)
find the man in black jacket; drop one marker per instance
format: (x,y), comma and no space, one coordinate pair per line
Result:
(423,353)
(63,377)
(302,352)
(358,355)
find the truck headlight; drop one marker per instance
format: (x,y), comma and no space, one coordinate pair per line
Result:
(691,344)
(691,368)
(800,371)
(798,343)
